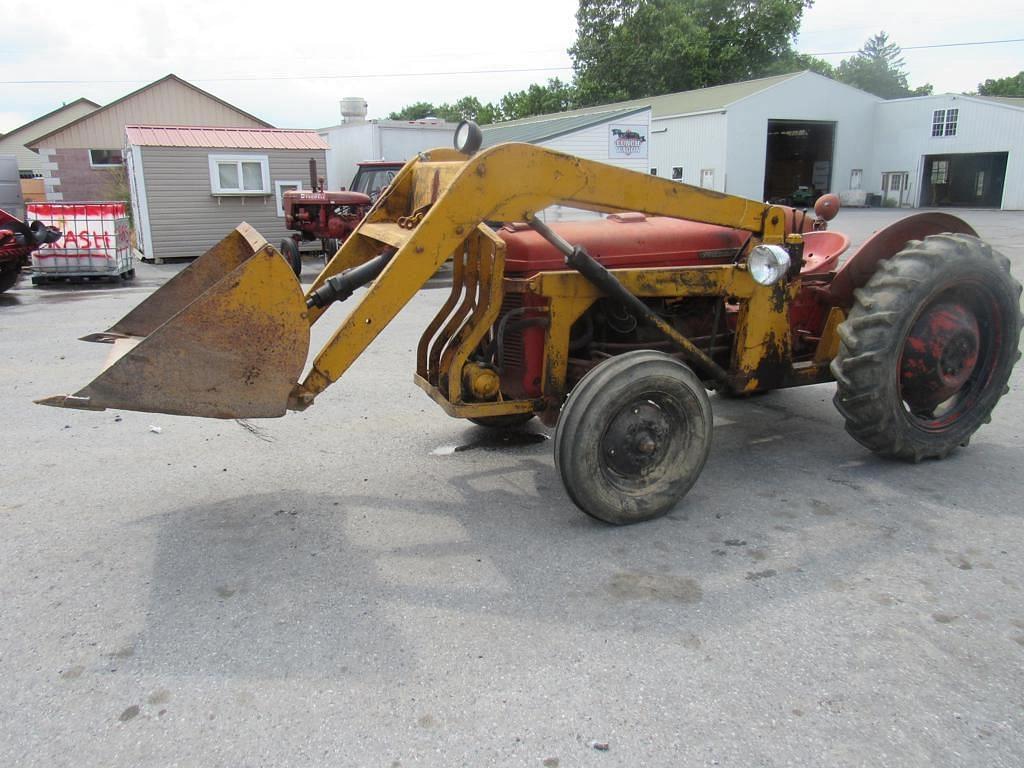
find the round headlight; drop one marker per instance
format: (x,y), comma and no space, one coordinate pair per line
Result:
(768,263)
(468,137)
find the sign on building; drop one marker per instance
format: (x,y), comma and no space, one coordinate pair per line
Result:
(627,142)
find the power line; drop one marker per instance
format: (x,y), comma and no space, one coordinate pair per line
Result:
(380,75)
(922,47)
(254,78)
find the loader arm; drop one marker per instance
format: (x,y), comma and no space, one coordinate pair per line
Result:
(228,336)
(434,204)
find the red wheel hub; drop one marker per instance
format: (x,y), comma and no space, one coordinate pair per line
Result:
(939,356)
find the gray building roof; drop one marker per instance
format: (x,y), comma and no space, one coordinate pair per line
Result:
(545,127)
(705,99)
(1008,101)
(682,103)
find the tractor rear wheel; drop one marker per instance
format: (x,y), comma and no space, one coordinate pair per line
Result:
(928,347)
(633,437)
(290,251)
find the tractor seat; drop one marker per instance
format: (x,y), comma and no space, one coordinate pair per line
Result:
(822,250)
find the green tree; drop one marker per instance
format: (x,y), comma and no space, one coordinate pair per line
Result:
(416,111)
(633,48)
(556,96)
(469,108)
(797,62)
(879,68)
(466,108)
(1005,86)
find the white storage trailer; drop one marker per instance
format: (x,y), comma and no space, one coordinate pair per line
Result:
(357,140)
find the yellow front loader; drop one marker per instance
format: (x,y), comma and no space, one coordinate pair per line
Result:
(612,329)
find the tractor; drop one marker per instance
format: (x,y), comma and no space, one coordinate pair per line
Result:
(331,216)
(612,331)
(17,241)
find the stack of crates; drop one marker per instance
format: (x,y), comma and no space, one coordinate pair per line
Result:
(96,242)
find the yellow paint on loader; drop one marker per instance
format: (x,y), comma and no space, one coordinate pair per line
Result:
(228,337)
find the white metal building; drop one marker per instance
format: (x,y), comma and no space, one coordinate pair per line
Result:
(762,139)
(950,149)
(357,140)
(617,136)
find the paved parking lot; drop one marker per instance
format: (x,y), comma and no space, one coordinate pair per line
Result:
(373,583)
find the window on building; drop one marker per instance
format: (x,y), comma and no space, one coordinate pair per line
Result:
(280,187)
(940,171)
(654,171)
(105,158)
(951,117)
(856,176)
(979,184)
(239,174)
(944,122)
(677,173)
(895,182)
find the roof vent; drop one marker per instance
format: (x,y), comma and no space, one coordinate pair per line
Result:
(353,109)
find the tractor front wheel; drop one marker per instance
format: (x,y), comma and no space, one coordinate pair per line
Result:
(9,276)
(928,347)
(290,251)
(633,437)
(331,246)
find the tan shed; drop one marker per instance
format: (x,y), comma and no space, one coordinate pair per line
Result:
(191,185)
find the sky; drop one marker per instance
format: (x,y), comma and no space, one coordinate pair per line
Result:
(292,69)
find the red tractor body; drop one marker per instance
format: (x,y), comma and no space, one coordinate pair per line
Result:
(330,217)
(637,241)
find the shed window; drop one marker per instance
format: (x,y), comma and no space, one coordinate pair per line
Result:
(654,171)
(105,158)
(677,173)
(239,174)
(280,187)
(944,122)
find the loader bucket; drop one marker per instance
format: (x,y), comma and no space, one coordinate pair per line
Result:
(225,338)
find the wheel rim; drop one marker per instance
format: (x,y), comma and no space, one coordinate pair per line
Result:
(949,356)
(643,438)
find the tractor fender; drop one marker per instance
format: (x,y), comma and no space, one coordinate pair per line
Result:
(885,243)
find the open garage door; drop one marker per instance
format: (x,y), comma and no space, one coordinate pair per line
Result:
(798,160)
(974,180)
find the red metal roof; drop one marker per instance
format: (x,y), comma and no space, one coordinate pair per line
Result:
(222,138)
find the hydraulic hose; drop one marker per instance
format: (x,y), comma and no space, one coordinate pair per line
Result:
(578,258)
(340,287)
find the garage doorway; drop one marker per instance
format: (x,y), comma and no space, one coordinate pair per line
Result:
(798,154)
(974,180)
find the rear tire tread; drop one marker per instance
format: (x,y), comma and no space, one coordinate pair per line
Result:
(872,336)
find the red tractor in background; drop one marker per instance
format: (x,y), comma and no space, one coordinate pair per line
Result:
(330,217)
(17,241)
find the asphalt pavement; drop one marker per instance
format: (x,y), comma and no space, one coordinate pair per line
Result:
(374,583)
